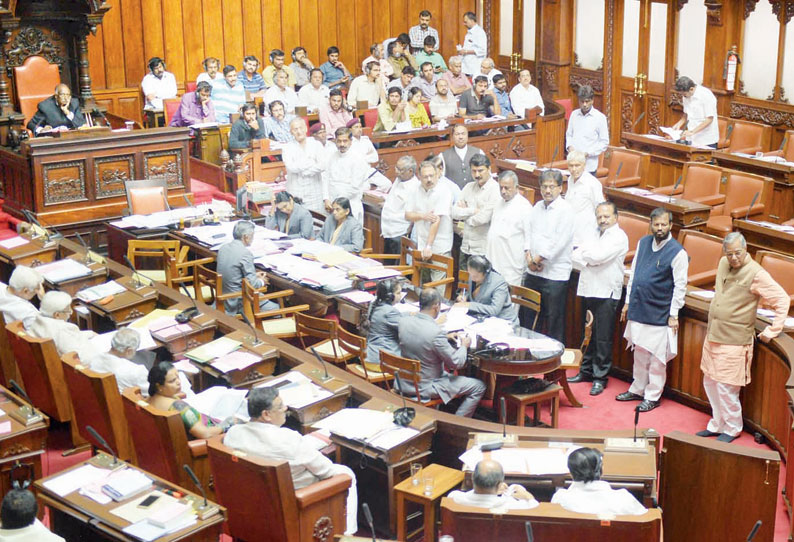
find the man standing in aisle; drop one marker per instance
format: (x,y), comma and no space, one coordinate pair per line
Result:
(509,231)
(728,350)
(584,194)
(587,129)
(700,114)
(393,224)
(421,31)
(654,295)
(457,158)
(600,262)
(475,45)
(304,160)
(475,208)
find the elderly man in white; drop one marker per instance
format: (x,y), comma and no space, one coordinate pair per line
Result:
(52,323)
(509,230)
(525,95)
(123,346)
(491,491)
(264,436)
(584,193)
(393,224)
(346,174)
(24,284)
(304,160)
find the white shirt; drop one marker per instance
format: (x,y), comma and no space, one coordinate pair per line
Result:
(507,237)
(347,175)
(392,217)
(14,308)
(476,41)
(66,336)
(490,501)
(305,164)
(490,75)
(600,264)
(480,202)
(163,88)
(584,195)
(451,186)
(286,96)
(128,374)
(204,76)
(438,201)
(365,148)
(589,134)
(364,90)
(551,237)
(598,498)
(314,98)
(526,98)
(660,340)
(698,108)
(36,532)
(443,108)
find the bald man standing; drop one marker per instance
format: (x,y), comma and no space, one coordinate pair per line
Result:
(57,113)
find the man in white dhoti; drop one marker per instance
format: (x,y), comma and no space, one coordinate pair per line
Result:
(509,231)
(304,160)
(23,285)
(264,436)
(346,174)
(52,323)
(728,349)
(655,294)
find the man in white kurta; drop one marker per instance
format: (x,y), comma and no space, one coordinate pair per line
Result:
(509,231)
(264,436)
(361,143)
(19,523)
(475,45)
(118,361)
(346,174)
(525,95)
(490,490)
(393,224)
(304,160)
(584,193)
(700,114)
(52,323)
(475,208)
(23,285)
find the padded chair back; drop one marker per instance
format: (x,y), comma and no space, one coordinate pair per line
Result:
(170,107)
(370,118)
(566,104)
(635,227)
(747,137)
(740,190)
(722,124)
(99,405)
(42,372)
(624,168)
(35,80)
(701,180)
(147,196)
(788,146)
(780,267)
(190,86)
(704,253)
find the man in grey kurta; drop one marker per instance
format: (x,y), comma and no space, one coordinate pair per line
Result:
(421,338)
(235,263)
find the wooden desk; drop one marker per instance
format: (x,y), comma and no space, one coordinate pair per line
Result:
(782,203)
(36,252)
(245,378)
(686,214)
(760,237)
(203,331)
(444,481)
(98,275)
(667,157)
(125,306)
(117,239)
(23,444)
(76,517)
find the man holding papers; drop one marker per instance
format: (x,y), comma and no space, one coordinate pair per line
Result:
(264,436)
(491,491)
(235,263)
(700,114)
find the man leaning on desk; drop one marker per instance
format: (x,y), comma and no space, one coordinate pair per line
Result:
(57,113)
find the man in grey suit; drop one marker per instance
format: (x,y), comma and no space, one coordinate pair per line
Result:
(235,263)
(58,112)
(423,339)
(457,157)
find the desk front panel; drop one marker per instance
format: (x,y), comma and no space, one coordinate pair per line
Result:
(667,158)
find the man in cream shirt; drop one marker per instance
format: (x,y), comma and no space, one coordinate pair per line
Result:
(491,491)
(509,230)
(475,208)
(583,192)
(52,323)
(393,224)
(25,283)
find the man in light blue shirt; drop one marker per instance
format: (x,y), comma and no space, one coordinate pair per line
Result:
(334,72)
(227,95)
(587,129)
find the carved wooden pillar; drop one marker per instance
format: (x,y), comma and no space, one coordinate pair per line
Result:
(6,108)
(83,73)
(723,29)
(556,47)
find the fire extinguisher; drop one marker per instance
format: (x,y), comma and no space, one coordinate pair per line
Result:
(732,60)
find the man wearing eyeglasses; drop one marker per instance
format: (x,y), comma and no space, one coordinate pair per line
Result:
(59,112)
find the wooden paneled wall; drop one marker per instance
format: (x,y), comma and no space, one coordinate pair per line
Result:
(184,32)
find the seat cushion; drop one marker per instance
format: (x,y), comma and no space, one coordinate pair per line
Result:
(326,350)
(279,326)
(719,225)
(153,274)
(206,292)
(569,359)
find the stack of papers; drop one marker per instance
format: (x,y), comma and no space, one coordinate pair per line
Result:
(13,242)
(63,270)
(213,350)
(703,294)
(236,361)
(534,461)
(672,132)
(777,227)
(75,479)
(373,427)
(125,483)
(220,403)
(297,390)
(376,273)
(100,291)
(142,526)
(359,296)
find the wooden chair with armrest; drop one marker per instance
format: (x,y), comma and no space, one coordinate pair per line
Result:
(356,346)
(704,253)
(277,322)
(35,81)
(161,443)
(409,371)
(406,247)
(699,182)
(780,267)
(147,196)
(549,522)
(270,509)
(636,227)
(627,167)
(99,405)
(142,252)
(740,191)
(526,298)
(322,335)
(178,274)
(436,262)
(209,287)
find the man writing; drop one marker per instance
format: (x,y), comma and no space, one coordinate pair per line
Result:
(236,263)
(58,112)
(728,349)
(491,491)
(654,295)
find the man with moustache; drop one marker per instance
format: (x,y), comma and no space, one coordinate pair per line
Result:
(304,160)
(475,208)
(509,230)
(587,129)
(443,105)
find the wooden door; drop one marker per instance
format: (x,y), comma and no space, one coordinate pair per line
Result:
(515,49)
(642,65)
(710,490)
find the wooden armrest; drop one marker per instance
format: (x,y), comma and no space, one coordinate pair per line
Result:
(281,312)
(322,490)
(749,150)
(198,447)
(230,295)
(372,256)
(702,279)
(625,181)
(440,282)
(741,212)
(278,294)
(714,199)
(629,256)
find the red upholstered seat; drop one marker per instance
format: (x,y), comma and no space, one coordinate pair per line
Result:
(370,117)
(626,167)
(635,227)
(704,253)
(171,107)
(566,104)
(190,86)
(35,81)
(205,193)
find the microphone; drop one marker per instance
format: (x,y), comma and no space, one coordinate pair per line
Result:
(87,259)
(528,527)
(254,339)
(554,155)
(102,442)
(405,415)
(754,531)
(187,200)
(636,421)
(503,411)
(368,516)
(322,362)
(42,232)
(728,131)
(637,121)
(135,275)
(25,414)
(752,202)
(195,480)
(19,391)
(190,313)
(617,174)
(675,187)
(100,114)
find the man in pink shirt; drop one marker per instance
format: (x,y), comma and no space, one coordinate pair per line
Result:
(335,114)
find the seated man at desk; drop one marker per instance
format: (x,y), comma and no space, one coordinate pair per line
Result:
(265,437)
(423,339)
(195,107)
(341,228)
(491,491)
(58,112)
(277,124)
(123,347)
(391,112)
(52,323)
(314,95)
(281,92)
(488,294)
(235,263)
(228,94)
(18,515)
(588,494)
(288,216)
(24,284)
(479,102)
(158,85)
(248,127)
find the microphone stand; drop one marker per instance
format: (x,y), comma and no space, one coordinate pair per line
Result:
(326,377)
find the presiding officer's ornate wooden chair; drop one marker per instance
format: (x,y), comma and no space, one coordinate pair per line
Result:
(35,80)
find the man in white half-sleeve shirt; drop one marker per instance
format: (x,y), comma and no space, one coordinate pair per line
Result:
(393,224)
(315,94)
(304,160)
(600,264)
(587,129)
(584,193)
(123,347)
(475,45)
(700,114)
(475,208)
(525,95)
(509,230)
(24,284)
(491,491)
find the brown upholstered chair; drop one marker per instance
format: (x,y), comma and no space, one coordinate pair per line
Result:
(277,322)
(35,80)
(99,405)
(780,267)
(722,124)
(549,522)
(699,182)
(161,443)
(147,196)
(786,150)
(263,504)
(601,169)
(704,252)
(748,137)
(626,167)
(636,227)
(740,189)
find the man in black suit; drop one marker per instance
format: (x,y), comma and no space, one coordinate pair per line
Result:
(58,112)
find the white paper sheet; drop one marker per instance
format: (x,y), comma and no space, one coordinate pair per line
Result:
(219,403)
(356,423)
(13,242)
(71,481)
(63,270)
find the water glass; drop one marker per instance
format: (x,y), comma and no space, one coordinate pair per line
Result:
(415,469)
(428,485)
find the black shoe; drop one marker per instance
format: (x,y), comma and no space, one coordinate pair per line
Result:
(726,438)
(628,396)
(581,377)
(707,433)
(647,406)
(598,388)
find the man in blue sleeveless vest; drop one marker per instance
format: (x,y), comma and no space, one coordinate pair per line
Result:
(654,295)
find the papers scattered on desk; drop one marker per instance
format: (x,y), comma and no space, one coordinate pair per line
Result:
(767,315)
(13,242)
(703,294)
(776,227)
(236,361)
(185,366)
(167,333)
(492,329)
(213,350)
(75,479)
(204,125)
(143,530)
(636,191)
(457,319)
(370,426)
(471,457)
(359,296)
(100,291)
(125,483)
(148,524)
(63,270)
(219,403)
(526,165)
(297,390)
(533,461)
(534,345)
(376,273)
(672,132)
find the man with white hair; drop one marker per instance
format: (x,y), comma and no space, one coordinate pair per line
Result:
(235,263)
(346,174)
(509,230)
(488,69)
(52,322)
(15,298)
(393,224)
(458,82)
(584,193)
(118,361)
(304,160)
